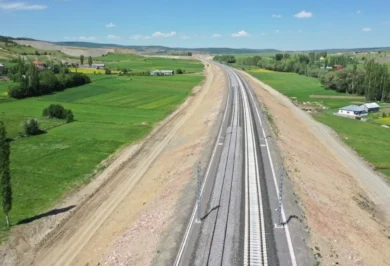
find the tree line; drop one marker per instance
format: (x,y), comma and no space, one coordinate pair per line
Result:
(229,59)
(32,82)
(372,81)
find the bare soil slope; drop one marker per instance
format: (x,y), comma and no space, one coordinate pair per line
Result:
(72,51)
(346,204)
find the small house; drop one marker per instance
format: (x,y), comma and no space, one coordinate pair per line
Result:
(155,73)
(371,107)
(167,72)
(162,73)
(39,65)
(352,111)
(98,66)
(1,68)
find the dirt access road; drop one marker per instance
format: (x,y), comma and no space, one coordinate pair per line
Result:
(346,204)
(135,199)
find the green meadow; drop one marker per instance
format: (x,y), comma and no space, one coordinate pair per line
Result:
(110,113)
(139,63)
(369,139)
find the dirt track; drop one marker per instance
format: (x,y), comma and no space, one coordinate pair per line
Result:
(346,204)
(136,195)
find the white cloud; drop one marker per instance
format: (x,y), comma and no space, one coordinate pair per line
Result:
(159,34)
(81,38)
(303,14)
(20,6)
(184,37)
(139,37)
(277,31)
(300,31)
(276,16)
(366,29)
(113,37)
(264,34)
(358,12)
(90,38)
(110,25)
(241,34)
(216,35)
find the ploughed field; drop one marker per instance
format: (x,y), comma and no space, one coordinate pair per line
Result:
(110,113)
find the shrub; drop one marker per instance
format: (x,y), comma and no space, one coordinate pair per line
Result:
(58,111)
(107,71)
(384,115)
(31,127)
(69,116)
(16,92)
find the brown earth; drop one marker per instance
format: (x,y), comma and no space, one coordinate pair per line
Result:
(72,51)
(346,204)
(122,215)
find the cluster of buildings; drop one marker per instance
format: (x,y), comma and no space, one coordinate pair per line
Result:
(355,111)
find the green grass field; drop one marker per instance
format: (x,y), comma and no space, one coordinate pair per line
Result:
(139,63)
(369,139)
(110,113)
(302,88)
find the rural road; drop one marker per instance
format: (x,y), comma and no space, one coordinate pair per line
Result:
(237,225)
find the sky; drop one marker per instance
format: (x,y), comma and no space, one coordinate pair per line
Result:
(278,24)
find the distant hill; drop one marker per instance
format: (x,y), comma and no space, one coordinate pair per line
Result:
(164,49)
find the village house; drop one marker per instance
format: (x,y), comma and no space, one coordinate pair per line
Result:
(162,73)
(352,111)
(371,107)
(39,65)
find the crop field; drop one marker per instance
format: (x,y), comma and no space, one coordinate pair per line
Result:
(302,88)
(138,63)
(369,139)
(91,71)
(110,113)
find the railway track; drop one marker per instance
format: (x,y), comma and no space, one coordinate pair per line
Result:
(236,227)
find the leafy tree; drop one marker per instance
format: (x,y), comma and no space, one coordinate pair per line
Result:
(82,59)
(107,71)
(90,61)
(58,111)
(189,54)
(31,127)
(179,71)
(278,57)
(6,188)
(48,82)
(33,80)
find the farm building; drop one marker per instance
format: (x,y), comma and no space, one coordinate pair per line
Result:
(352,111)
(1,68)
(371,107)
(39,65)
(162,73)
(95,66)
(338,67)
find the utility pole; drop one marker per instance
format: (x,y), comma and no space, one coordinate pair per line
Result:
(198,194)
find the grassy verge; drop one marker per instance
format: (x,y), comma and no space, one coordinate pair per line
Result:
(110,113)
(369,138)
